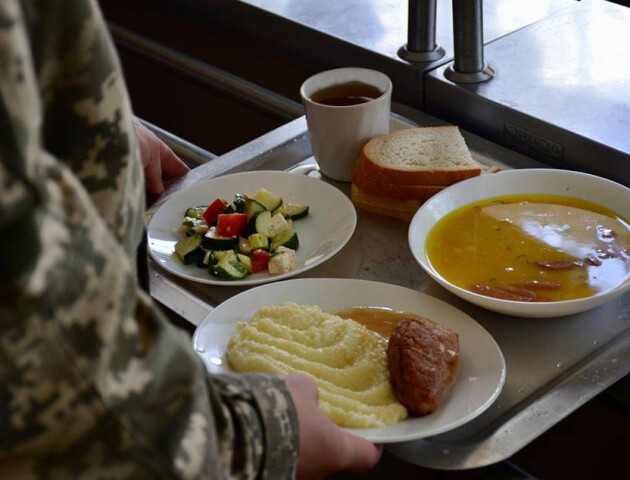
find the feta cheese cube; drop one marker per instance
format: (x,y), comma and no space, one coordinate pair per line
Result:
(278,224)
(283,261)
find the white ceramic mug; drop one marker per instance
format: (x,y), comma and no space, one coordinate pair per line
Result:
(338,133)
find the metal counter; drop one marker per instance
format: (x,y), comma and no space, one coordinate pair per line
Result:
(561,93)
(381,25)
(553,365)
(331,33)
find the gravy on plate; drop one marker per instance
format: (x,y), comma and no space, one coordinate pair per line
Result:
(379,320)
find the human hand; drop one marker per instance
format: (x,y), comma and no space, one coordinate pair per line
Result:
(324,447)
(157,159)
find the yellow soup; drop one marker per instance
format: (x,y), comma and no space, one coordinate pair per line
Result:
(532,248)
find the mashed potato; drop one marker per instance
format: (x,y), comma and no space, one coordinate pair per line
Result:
(347,361)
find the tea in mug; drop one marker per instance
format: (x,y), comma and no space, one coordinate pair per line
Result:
(345,94)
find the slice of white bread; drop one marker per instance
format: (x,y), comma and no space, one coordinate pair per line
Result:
(420,156)
(400,209)
(382,188)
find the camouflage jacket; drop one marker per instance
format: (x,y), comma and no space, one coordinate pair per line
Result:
(94,383)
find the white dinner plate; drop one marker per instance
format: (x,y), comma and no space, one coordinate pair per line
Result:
(481,371)
(322,233)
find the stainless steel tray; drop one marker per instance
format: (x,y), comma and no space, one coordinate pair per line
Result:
(553,365)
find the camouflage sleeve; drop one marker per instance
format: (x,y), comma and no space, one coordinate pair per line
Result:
(17,223)
(94,383)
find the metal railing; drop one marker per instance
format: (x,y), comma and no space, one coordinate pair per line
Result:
(243,91)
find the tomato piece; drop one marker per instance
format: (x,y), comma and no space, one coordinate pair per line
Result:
(212,212)
(229,224)
(260,260)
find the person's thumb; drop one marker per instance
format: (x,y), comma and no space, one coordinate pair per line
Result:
(172,166)
(361,454)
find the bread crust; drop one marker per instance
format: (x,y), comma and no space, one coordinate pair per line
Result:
(401,209)
(411,176)
(418,177)
(380,187)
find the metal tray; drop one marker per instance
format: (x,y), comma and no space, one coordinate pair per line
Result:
(553,365)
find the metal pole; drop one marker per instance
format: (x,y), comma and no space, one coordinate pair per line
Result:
(421,26)
(421,46)
(469,65)
(468,35)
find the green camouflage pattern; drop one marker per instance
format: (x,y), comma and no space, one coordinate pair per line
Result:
(94,383)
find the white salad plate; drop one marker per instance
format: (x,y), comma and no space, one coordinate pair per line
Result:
(322,233)
(481,371)
(583,186)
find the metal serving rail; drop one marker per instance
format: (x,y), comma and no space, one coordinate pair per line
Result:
(553,365)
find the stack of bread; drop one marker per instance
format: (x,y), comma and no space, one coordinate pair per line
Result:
(398,172)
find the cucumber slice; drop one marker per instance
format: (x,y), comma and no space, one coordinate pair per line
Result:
(230,271)
(196,212)
(218,255)
(243,245)
(253,208)
(204,260)
(245,260)
(192,226)
(287,239)
(189,250)
(258,240)
(230,267)
(201,228)
(267,199)
(271,225)
(186,226)
(211,241)
(263,224)
(289,210)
